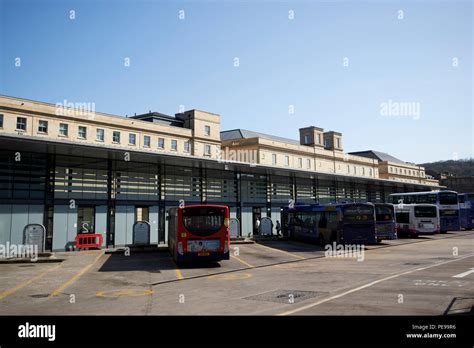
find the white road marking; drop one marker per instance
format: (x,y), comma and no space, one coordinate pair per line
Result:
(462,275)
(368,285)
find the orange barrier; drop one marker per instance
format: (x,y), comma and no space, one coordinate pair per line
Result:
(88,240)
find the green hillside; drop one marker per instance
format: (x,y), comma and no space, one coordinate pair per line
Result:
(462,167)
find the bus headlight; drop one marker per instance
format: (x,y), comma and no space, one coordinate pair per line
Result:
(180,248)
(226,222)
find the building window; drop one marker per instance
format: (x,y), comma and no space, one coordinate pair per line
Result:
(21,123)
(306,139)
(207,130)
(63,129)
(174,145)
(300,162)
(319,139)
(207,150)
(146,141)
(43,126)
(82,132)
(1,120)
(363,171)
(287,161)
(132,139)
(161,143)
(355,170)
(99,134)
(187,146)
(348,169)
(370,171)
(327,143)
(308,164)
(274,159)
(338,141)
(116,137)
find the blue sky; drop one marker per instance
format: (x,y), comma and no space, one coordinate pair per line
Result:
(282,63)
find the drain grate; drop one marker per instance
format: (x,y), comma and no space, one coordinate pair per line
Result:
(461,306)
(285,296)
(40,295)
(415,263)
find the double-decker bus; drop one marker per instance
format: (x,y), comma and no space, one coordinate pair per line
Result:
(385,221)
(199,233)
(466,210)
(352,223)
(446,201)
(417,219)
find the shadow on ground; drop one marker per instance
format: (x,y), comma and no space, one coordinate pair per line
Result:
(153,262)
(291,246)
(146,262)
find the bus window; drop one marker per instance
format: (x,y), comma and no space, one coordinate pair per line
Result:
(383,213)
(427,212)
(424,199)
(403,217)
(322,221)
(332,216)
(446,198)
(203,221)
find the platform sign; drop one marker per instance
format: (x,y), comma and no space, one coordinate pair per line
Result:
(266,226)
(234,228)
(141,233)
(34,234)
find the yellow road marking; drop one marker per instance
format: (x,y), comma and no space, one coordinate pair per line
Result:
(243,262)
(75,277)
(231,276)
(26,283)
(124,293)
(179,274)
(281,251)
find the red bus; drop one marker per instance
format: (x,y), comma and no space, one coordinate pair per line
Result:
(199,232)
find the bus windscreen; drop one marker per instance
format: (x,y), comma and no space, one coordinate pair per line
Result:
(383,213)
(446,198)
(403,217)
(358,213)
(203,221)
(427,212)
